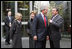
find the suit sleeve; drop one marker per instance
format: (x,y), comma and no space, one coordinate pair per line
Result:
(28,28)
(6,22)
(48,31)
(34,25)
(12,19)
(47,28)
(58,23)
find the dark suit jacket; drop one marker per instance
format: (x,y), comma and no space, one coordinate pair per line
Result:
(16,34)
(39,27)
(54,28)
(7,21)
(29,28)
(30,33)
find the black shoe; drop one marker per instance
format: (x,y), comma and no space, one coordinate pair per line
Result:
(6,43)
(9,43)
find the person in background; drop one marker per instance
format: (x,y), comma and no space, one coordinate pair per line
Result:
(16,31)
(8,23)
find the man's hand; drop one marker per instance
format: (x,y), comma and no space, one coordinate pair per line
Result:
(47,38)
(50,21)
(9,24)
(35,37)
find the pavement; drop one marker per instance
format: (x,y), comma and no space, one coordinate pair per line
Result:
(64,43)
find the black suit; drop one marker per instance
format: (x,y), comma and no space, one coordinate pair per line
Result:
(40,31)
(7,28)
(54,33)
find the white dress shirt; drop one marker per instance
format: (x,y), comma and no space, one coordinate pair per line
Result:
(18,21)
(43,16)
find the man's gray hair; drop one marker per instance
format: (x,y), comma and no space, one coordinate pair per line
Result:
(43,7)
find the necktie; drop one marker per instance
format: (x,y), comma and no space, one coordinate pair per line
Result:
(45,21)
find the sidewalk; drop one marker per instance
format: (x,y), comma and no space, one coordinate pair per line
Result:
(64,43)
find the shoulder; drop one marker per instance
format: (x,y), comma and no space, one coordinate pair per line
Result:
(46,16)
(6,17)
(28,21)
(60,17)
(14,21)
(12,17)
(38,15)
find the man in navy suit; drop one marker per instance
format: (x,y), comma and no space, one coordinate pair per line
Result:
(40,28)
(8,21)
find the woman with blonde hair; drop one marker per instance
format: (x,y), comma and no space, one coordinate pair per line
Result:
(16,33)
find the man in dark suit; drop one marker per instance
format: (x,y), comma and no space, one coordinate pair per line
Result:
(40,28)
(8,21)
(55,24)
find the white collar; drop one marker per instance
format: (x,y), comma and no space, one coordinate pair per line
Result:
(18,21)
(42,15)
(55,15)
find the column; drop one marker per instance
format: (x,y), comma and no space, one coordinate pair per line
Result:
(16,7)
(30,6)
(1,22)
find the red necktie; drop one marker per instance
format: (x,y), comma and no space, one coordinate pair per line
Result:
(45,21)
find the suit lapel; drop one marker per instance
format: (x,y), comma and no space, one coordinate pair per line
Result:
(19,24)
(41,18)
(56,18)
(8,19)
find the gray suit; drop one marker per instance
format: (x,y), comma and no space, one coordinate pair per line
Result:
(54,33)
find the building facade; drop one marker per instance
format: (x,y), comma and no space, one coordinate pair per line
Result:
(25,7)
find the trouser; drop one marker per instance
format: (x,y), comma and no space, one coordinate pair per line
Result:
(7,36)
(31,42)
(55,44)
(40,44)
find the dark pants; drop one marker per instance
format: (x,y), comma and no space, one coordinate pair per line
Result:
(7,36)
(54,44)
(31,42)
(40,44)
(17,42)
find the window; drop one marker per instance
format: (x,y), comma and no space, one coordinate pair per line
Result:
(22,7)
